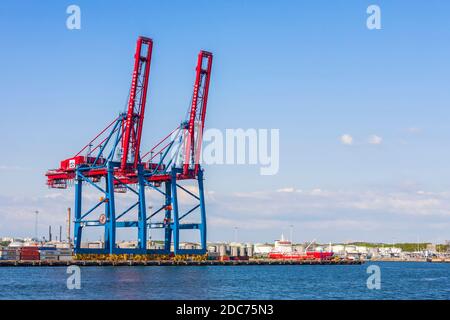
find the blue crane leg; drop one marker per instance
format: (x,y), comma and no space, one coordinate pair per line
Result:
(112,210)
(78,205)
(107,239)
(202,210)
(175,224)
(168,216)
(142,224)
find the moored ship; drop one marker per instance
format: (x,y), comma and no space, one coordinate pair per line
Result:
(283,250)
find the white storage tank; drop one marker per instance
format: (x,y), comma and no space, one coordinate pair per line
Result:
(262,249)
(222,250)
(250,250)
(16,244)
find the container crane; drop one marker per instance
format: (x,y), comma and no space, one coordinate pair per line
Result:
(179,159)
(113,156)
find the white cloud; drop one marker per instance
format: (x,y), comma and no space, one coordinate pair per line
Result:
(411,203)
(286,190)
(12,168)
(333,214)
(314,206)
(414,130)
(374,139)
(322,213)
(53,195)
(346,139)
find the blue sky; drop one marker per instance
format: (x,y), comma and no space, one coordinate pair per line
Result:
(310,68)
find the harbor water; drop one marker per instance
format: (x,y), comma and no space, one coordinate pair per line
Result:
(399,280)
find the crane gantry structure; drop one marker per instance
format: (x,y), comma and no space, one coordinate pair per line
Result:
(112,163)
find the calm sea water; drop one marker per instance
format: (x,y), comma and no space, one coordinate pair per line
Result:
(398,281)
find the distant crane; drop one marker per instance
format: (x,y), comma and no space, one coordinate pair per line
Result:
(114,156)
(36,225)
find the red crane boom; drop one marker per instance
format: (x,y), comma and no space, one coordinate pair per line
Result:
(198,112)
(132,130)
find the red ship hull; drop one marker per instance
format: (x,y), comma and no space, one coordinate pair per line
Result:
(312,255)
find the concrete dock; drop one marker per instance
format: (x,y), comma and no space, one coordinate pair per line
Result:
(96,263)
